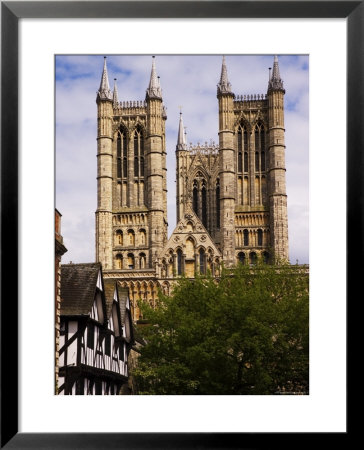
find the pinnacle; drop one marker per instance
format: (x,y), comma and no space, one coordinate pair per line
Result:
(224,86)
(154,89)
(104,92)
(275,81)
(181,140)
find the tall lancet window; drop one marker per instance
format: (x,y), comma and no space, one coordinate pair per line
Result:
(245,140)
(262,138)
(260,237)
(240,151)
(204,204)
(118,155)
(257,143)
(242,147)
(195,197)
(246,237)
(246,165)
(262,161)
(179,262)
(257,161)
(141,155)
(217,199)
(199,197)
(125,155)
(138,152)
(121,154)
(259,134)
(202,261)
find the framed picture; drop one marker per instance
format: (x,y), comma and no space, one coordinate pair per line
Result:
(12,184)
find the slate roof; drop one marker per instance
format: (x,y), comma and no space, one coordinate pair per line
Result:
(78,287)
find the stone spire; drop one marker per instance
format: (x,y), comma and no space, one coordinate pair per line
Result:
(275,81)
(115,98)
(181,140)
(104,92)
(224,87)
(154,89)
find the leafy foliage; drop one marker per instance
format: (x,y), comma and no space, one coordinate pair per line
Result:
(246,334)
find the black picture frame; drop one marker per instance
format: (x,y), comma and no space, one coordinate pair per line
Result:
(11,12)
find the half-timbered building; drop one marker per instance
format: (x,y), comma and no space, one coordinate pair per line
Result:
(95,333)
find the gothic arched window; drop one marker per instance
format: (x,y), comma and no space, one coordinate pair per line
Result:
(204,205)
(256,161)
(179,262)
(142,260)
(262,138)
(246,166)
(260,237)
(130,261)
(202,261)
(262,161)
(217,204)
(240,147)
(239,140)
(256,138)
(118,154)
(195,197)
(136,167)
(246,237)
(138,152)
(241,257)
(136,144)
(119,237)
(121,153)
(240,162)
(252,258)
(119,262)
(131,237)
(143,239)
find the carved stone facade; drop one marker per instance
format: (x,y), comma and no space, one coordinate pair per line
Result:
(231,197)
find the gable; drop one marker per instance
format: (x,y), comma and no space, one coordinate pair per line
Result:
(190,236)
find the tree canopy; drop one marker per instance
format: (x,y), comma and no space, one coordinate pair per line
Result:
(246,333)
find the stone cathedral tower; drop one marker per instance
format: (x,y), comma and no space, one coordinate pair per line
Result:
(231,196)
(237,189)
(131,216)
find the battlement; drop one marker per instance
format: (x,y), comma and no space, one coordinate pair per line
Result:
(131,107)
(204,149)
(249,98)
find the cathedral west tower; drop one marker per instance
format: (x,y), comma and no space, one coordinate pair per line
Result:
(237,189)
(131,216)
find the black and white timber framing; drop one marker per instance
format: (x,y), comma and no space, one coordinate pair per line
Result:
(96,332)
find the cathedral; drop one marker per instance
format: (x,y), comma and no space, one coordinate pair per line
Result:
(231,198)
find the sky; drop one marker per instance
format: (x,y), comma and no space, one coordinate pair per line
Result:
(189,84)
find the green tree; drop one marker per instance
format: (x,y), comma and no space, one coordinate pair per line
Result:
(245,334)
